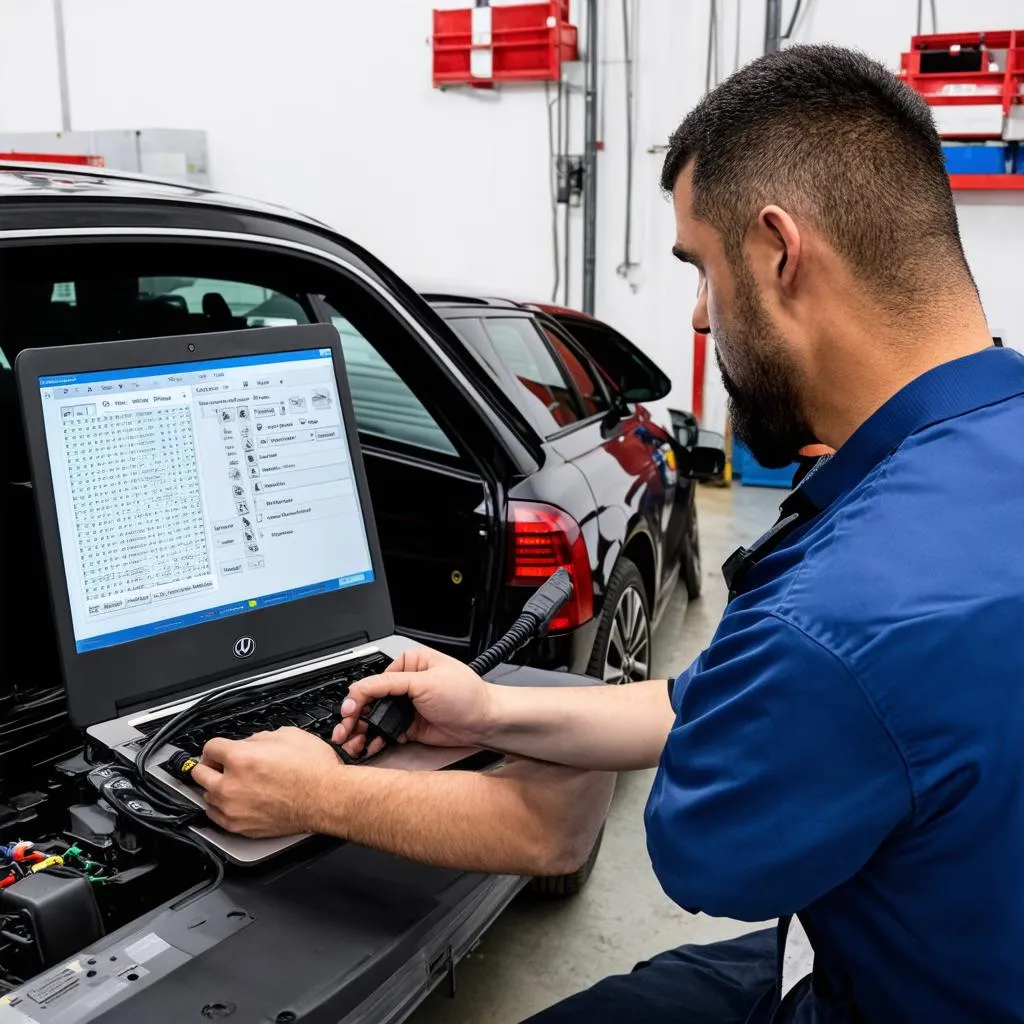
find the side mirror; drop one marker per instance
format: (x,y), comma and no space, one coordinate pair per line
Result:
(642,387)
(701,452)
(707,456)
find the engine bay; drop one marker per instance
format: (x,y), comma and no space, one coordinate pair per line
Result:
(72,868)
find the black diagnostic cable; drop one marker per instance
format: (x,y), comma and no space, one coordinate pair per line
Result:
(388,718)
(119,790)
(223,697)
(534,621)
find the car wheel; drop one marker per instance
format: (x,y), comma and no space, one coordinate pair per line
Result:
(622,649)
(691,553)
(559,886)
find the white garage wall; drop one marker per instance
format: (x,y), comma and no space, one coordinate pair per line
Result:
(326,105)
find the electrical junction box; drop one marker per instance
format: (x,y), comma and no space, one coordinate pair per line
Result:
(178,154)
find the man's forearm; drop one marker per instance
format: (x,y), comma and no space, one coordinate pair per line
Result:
(523,819)
(607,728)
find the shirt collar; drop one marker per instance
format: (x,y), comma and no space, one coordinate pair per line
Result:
(941,393)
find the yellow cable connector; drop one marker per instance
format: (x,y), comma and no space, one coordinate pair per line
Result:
(50,862)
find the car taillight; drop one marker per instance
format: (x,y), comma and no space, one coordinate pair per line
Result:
(543,539)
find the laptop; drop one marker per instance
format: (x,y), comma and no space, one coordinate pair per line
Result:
(205,519)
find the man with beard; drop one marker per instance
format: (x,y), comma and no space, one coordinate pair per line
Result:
(846,754)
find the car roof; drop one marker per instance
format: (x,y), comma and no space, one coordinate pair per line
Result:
(449,299)
(32,180)
(20,180)
(444,301)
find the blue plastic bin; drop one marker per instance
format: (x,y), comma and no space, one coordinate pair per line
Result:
(969,158)
(1018,159)
(752,474)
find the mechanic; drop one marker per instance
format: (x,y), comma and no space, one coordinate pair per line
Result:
(848,748)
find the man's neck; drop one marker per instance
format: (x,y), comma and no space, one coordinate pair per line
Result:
(872,360)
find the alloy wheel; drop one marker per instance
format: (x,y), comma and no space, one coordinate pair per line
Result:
(629,643)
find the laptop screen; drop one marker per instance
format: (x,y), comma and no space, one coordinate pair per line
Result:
(197,491)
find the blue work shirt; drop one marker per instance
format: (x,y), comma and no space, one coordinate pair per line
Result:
(850,747)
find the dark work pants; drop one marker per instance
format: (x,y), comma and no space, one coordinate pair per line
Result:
(721,983)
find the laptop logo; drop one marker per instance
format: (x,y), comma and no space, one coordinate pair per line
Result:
(244,646)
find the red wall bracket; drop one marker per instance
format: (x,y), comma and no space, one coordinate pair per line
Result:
(993,79)
(486,46)
(81,159)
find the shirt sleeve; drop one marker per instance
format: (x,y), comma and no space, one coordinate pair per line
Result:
(778,780)
(677,686)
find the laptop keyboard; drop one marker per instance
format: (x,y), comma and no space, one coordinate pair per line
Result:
(313,704)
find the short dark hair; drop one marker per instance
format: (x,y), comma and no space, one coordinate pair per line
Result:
(829,134)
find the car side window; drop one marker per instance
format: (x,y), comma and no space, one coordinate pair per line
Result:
(591,394)
(76,294)
(93,303)
(236,301)
(525,354)
(385,405)
(622,364)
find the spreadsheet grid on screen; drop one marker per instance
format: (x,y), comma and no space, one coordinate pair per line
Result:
(194,491)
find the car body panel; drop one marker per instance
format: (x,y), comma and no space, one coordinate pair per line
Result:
(629,461)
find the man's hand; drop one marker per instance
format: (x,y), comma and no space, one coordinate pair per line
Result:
(270,784)
(453,704)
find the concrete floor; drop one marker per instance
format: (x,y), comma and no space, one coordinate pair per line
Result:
(540,952)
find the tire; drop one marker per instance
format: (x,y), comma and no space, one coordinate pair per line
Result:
(622,648)
(691,565)
(560,886)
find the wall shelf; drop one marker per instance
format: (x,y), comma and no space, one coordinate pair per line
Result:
(987,182)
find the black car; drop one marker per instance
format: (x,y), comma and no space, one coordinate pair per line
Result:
(496,452)
(628,528)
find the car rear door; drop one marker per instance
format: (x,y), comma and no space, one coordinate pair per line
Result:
(635,376)
(574,409)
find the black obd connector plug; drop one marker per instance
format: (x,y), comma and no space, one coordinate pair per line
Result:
(545,604)
(534,621)
(390,717)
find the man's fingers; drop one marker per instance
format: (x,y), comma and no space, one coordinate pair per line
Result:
(218,750)
(206,776)
(391,684)
(419,659)
(398,679)
(348,730)
(355,746)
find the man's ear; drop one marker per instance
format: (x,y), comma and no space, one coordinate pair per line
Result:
(776,248)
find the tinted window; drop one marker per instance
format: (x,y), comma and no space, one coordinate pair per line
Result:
(590,392)
(625,366)
(525,354)
(86,294)
(95,305)
(256,305)
(385,405)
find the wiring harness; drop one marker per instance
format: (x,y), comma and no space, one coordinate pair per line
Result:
(20,859)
